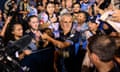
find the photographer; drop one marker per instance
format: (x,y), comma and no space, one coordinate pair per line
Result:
(11,54)
(13,33)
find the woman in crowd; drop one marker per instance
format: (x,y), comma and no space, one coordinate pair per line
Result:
(13,33)
(49,17)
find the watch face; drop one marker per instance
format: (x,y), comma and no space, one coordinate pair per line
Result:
(116,4)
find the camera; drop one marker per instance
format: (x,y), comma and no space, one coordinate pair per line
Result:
(8,62)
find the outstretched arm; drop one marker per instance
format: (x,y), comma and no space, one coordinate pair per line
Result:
(57,43)
(5,26)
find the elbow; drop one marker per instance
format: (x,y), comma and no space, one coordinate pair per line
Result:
(63,45)
(1,34)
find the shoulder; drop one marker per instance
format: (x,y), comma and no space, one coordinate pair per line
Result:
(43,14)
(27,31)
(10,43)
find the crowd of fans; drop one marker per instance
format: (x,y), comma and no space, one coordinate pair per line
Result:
(67,35)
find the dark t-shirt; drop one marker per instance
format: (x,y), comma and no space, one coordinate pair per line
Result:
(116,68)
(66,59)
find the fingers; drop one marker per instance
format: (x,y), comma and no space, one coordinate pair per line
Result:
(116,17)
(27,52)
(53,19)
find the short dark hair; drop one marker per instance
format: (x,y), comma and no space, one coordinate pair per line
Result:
(103,46)
(57,3)
(32,16)
(76,3)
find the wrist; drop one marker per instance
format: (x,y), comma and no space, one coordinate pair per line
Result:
(47,37)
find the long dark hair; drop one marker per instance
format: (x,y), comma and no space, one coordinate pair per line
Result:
(105,4)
